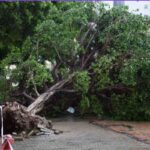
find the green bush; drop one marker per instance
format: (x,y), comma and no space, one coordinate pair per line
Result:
(82,81)
(4,89)
(132,107)
(90,105)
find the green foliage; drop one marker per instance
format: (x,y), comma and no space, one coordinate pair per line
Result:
(64,72)
(131,107)
(84,104)
(4,88)
(96,106)
(36,73)
(123,29)
(57,35)
(18,20)
(62,35)
(125,33)
(136,72)
(90,105)
(101,68)
(135,106)
(82,81)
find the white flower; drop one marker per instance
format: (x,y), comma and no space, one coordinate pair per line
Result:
(95,55)
(15,84)
(12,67)
(85,6)
(7,76)
(49,65)
(39,58)
(75,40)
(92,25)
(6,67)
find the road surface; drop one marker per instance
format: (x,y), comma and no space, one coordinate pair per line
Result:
(81,135)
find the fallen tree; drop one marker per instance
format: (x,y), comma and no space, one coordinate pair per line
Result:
(38,104)
(89,56)
(18,120)
(21,119)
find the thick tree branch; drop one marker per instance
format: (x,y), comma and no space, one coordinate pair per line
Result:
(37,106)
(87,59)
(28,96)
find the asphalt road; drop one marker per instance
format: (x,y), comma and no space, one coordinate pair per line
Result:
(80,135)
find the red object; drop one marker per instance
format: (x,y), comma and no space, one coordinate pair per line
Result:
(8,141)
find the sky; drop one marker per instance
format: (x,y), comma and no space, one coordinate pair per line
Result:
(142,6)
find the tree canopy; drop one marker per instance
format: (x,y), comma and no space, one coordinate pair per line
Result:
(105,51)
(18,20)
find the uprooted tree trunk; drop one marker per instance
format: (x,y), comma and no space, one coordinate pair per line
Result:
(38,104)
(18,118)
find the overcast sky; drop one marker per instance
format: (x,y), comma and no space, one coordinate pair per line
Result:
(143,6)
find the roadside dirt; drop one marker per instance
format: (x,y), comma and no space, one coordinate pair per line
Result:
(137,130)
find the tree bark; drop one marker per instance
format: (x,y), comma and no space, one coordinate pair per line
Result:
(38,104)
(17,119)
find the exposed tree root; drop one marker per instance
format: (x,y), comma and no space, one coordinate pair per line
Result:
(18,120)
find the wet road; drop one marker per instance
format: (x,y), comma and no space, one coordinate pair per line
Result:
(80,135)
